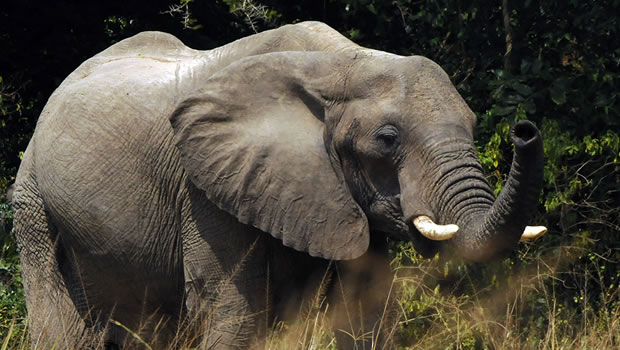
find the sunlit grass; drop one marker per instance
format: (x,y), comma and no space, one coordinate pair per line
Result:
(525,308)
(446,305)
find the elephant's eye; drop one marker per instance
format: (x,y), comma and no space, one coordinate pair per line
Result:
(388,136)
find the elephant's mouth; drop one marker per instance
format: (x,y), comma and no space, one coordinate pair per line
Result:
(385,215)
(396,227)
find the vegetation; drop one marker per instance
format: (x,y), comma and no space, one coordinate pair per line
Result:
(554,62)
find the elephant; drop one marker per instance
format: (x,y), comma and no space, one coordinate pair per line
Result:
(168,191)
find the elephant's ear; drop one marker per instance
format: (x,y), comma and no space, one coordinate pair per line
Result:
(252,139)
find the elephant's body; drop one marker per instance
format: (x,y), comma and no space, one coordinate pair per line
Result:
(197,196)
(91,252)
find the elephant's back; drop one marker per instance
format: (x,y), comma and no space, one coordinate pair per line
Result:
(110,114)
(103,152)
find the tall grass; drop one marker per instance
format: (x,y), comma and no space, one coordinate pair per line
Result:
(520,303)
(533,306)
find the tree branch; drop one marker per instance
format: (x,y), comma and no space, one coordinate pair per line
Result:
(508,64)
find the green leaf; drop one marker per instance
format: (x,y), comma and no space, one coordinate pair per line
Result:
(371,8)
(513,99)
(522,89)
(502,110)
(529,106)
(558,94)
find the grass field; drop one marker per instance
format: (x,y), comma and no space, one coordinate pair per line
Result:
(526,302)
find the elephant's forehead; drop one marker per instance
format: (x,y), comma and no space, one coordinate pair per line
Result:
(401,77)
(411,108)
(427,92)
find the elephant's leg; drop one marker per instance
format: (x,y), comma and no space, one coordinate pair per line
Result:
(224,300)
(54,317)
(361,300)
(225,277)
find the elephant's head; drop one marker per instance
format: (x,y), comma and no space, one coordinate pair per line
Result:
(323,150)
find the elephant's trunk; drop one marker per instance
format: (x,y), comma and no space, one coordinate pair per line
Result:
(490,227)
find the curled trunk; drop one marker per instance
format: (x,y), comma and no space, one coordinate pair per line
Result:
(490,228)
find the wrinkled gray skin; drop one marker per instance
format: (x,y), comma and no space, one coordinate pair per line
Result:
(165,183)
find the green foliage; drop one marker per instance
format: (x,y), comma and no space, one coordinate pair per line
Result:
(12,303)
(13,117)
(253,12)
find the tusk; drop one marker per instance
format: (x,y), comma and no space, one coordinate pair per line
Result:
(532,232)
(431,230)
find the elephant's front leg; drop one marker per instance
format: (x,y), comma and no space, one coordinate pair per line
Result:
(225,279)
(227,300)
(361,300)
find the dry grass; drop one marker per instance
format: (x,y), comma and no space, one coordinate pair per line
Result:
(442,307)
(525,309)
